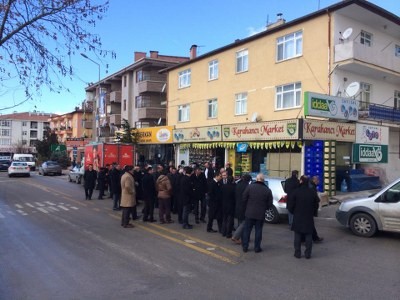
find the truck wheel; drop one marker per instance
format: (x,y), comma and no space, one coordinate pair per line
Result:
(362,224)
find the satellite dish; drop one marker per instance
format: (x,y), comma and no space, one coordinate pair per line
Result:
(254,117)
(347,33)
(352,89)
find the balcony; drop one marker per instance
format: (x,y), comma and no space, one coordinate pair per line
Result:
(148,101)
(115,119)
(155,84)
(379,112)
(151,113)
(115,96)
(87,124)
(376,56)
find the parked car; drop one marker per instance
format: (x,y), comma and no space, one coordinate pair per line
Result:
(76,175)
(50,167)
(4,164)
(18,168)
(379,211)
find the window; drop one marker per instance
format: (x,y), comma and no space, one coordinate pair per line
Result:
(365,95)
(288,96)
(24,123)
(397,50)
(213,70)
(139,76)
(5,141)
(392,195)
(5,123)
(24,132)
(184,78)
(183,113)
(124,104)
(396,100)
(241,104)
(125,81)
(5,132)
(289,46)
(212,108)
(242,61)
(366,38)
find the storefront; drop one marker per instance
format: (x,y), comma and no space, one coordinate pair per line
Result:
(76,149)
(154,145)
(272,148)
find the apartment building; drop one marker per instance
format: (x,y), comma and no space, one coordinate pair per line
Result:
(135,93)
(318,94)
(20,131)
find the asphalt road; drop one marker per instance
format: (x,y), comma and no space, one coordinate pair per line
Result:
(55,245)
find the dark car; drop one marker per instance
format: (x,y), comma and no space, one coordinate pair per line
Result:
(50,167)
(4,164)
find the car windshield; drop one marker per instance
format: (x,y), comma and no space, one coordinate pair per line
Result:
(28,159)
(52,163)
(19,164)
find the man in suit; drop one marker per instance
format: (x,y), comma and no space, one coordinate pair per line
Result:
(228,169)
(215,203)
(199,195)
(186,194)
(291,184)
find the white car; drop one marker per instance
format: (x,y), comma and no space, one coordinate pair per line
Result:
(18,168)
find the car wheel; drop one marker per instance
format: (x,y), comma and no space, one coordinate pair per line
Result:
(363,225)
(28,175)
(78,180)
(9,175)
(271,215)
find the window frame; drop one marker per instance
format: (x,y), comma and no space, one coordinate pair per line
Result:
(184,78)
(397,51)
(366,38)
(213,70)
(284,41)
(284,89)
(184,113)
(212,108)
(365,95)
(242,61)
(241,100)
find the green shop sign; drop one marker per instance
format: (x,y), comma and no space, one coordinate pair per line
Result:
(363,153)
(58,148)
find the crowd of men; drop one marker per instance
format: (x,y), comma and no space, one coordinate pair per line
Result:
(206,191)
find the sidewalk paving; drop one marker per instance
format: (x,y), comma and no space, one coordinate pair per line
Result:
(340,196)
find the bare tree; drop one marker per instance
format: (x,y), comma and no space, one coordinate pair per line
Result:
(39,37)
(20,147)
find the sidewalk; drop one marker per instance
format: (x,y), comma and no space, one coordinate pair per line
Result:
(340,196)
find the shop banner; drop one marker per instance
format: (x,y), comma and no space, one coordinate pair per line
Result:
(372,134)
(126,155)
(318,130)
(155,135)
(320,105)
(370,153)
(197,134)
(273,131)
(76,142)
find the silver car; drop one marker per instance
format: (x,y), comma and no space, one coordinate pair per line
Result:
(76,175)
(50,167)
(379,211)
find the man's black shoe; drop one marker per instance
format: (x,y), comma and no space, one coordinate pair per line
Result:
(297,255)
(197,221)
(187,226)
(258,250)
(318,240)
(211,230)
(203,221)
(245,250)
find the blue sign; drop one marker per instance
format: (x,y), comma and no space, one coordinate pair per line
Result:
(241,147)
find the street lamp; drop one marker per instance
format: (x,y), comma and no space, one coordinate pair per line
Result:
(95,100)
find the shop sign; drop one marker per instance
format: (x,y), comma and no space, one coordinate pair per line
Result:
(273,131)
(76,142)
(372,134)
(318,130)
(320,105)
(197,134)
(154,135)
(370,153)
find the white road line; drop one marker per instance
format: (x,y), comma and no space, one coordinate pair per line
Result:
(18,206)
(39,204)
(50,203)
(63,207)
(42,210)
(73,207)
(52,208)
(22,212)
(30,205)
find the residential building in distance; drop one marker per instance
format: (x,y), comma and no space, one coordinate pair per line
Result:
(20,131)
(319,94)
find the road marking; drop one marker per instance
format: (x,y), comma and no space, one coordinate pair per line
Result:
(39,204)
(42,210)
(18,206)
(96,209)
(191,246)
(50,203)
(234,253)
(52,208)
(73,207)
(30,205)
(63,207)
(22,212)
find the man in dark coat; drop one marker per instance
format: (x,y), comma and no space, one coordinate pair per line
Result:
(101,182)
(149,195)
(228,207)
(199,195)
(115,183)
(291,184)
(186,195)
(215,203)
(173,178)
(313,184)
(303,206)
(228,169)
(89,177)
(240,207)
(258,198)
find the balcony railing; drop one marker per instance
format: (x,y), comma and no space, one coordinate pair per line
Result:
(379,112)
(148,101)
(150,86)
(115,96)
(151,113)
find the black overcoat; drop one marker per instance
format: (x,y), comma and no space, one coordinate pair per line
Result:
(186,190)
(240,206)
(303,205)
(90,179)
(258,198)
(228,198)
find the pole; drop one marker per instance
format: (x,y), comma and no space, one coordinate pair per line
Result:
(96,100)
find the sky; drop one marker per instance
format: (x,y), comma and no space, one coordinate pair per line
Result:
(169,27)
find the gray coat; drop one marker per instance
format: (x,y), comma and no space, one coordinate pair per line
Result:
(257,198)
